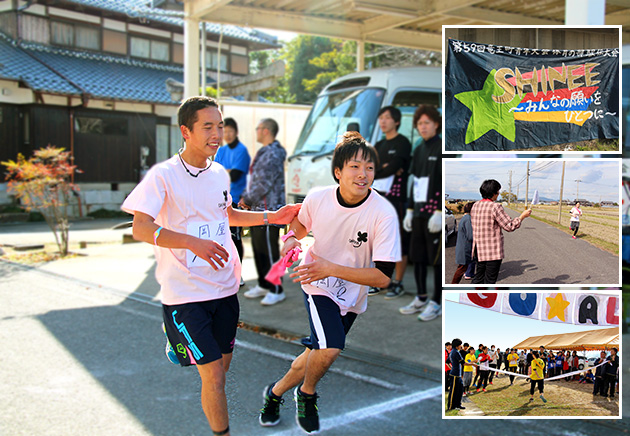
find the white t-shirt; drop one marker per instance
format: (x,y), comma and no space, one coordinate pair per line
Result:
(575,214)
(196,206)
(349,236)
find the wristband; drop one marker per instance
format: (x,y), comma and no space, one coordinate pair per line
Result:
(265,218)
(291,234)
(156,234)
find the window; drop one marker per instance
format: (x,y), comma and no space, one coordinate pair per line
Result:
(74,35)
(150,49)
(211,60)
(101,126)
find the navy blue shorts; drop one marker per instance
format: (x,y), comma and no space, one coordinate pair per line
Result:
(328,327)
(202,332)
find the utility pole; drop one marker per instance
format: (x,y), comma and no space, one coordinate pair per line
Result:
(577,192)
(561,189)
(527,185)
(510,192)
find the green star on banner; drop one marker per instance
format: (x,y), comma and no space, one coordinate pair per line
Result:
(486,113)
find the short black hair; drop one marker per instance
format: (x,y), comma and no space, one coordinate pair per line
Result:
(447,344)
(468,206)
(187,112)
(230,122)
(535,353)
(489,188)
(394,112)
(352,144)
(271,125)
(456,342)
(430,111)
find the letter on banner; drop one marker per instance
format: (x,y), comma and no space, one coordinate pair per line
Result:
(612,311)
(557,307)
(521,304)
(587,309)
(486,301)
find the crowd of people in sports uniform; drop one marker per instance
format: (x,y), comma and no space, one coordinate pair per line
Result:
(469,371)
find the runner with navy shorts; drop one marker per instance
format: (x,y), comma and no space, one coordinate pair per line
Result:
(183,207)
(337,270)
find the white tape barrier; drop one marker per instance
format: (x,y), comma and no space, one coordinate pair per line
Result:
(557,377)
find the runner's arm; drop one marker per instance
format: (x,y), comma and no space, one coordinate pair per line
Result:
(321,268)
(146,230)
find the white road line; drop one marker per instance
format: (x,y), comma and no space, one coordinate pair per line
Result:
(350,374)
(370,411)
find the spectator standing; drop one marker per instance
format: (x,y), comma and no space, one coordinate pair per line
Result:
(484,369)
(394,154)
(447,365)
(493,362)
(265,191)
(598,387)
(424,213)
(463,248)
(468,370)
(455,396)
(513,362)
(234,157)
(488,218)
(610,374)
(521,362)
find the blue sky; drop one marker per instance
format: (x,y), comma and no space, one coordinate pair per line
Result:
(599,178)
(482,326)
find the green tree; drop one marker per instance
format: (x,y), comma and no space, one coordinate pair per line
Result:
(506,196)
(42,183)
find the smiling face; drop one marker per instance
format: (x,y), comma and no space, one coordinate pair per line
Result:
(205,137)
(355,178)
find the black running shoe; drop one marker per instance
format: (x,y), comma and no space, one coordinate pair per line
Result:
(306,415)
(395,290)
(270,413)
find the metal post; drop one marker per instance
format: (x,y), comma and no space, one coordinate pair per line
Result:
(561,190)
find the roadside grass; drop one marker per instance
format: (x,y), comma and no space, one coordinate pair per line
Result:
(563,399)
(598,227)
(589,145)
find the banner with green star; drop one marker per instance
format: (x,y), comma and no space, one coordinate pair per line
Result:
(509,98)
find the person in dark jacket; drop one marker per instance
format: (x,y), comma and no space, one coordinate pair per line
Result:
(424,213)
(457,388)
(390,180)
(599,379)
(610,374)
(265,191)
(463,249)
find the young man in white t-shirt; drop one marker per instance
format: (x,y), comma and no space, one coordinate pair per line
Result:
(183,207)
(357,243)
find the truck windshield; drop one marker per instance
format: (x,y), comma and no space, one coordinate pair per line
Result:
(331,115)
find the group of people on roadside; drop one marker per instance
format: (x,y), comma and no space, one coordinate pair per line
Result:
(410,178)
(479,249)
(462,362)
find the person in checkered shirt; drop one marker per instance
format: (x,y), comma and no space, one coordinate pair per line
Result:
(488,218)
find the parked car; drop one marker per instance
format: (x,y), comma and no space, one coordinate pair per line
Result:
(450,226)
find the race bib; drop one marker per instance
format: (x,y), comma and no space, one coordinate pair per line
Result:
(343,292)
(383,185)
(215,231)
(420,189)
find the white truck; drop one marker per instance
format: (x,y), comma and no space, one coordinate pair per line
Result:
(352,103)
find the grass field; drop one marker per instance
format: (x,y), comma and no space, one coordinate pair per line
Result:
(563,399)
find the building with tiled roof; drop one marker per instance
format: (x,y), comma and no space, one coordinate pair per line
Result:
(96,77)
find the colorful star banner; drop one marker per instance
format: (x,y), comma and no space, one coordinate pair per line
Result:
(506,98)
(568,308)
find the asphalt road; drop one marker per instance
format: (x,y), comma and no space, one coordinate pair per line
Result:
(538,253)
(80,360)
